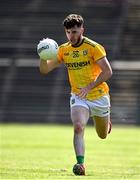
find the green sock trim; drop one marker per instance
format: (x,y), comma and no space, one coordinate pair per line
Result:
(80,159)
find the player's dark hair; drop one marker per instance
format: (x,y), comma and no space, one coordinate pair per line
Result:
(72,20)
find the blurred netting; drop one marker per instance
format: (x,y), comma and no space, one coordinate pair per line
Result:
(27,96)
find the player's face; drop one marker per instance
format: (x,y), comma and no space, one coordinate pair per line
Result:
(74,34)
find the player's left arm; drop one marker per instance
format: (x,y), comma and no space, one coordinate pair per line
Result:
(105,74)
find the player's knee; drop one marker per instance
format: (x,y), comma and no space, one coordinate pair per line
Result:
(78,127)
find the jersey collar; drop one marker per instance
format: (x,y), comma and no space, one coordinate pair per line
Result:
(79,44)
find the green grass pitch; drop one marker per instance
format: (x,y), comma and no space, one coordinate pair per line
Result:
(46,152)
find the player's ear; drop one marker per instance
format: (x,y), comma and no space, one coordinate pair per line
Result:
(82,30)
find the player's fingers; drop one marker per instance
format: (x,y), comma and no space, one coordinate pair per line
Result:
(82,94)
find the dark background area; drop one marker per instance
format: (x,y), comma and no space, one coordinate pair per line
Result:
(27,96)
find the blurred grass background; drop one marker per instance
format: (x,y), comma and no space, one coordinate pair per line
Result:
(46,152)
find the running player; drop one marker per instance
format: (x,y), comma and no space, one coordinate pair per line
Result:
(88,69)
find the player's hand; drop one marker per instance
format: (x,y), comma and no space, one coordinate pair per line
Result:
(83,92)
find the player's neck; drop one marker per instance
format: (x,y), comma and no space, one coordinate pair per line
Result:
(79,42)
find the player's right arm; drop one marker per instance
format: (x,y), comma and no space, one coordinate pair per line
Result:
(46,66)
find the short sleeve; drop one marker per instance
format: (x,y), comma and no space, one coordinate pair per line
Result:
(99,52)
(60,55)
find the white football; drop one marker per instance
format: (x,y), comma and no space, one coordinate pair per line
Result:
(47,49)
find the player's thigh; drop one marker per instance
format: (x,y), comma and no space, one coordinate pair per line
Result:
(101,125)
(79,114)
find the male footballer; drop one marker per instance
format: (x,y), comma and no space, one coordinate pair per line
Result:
(88,70)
